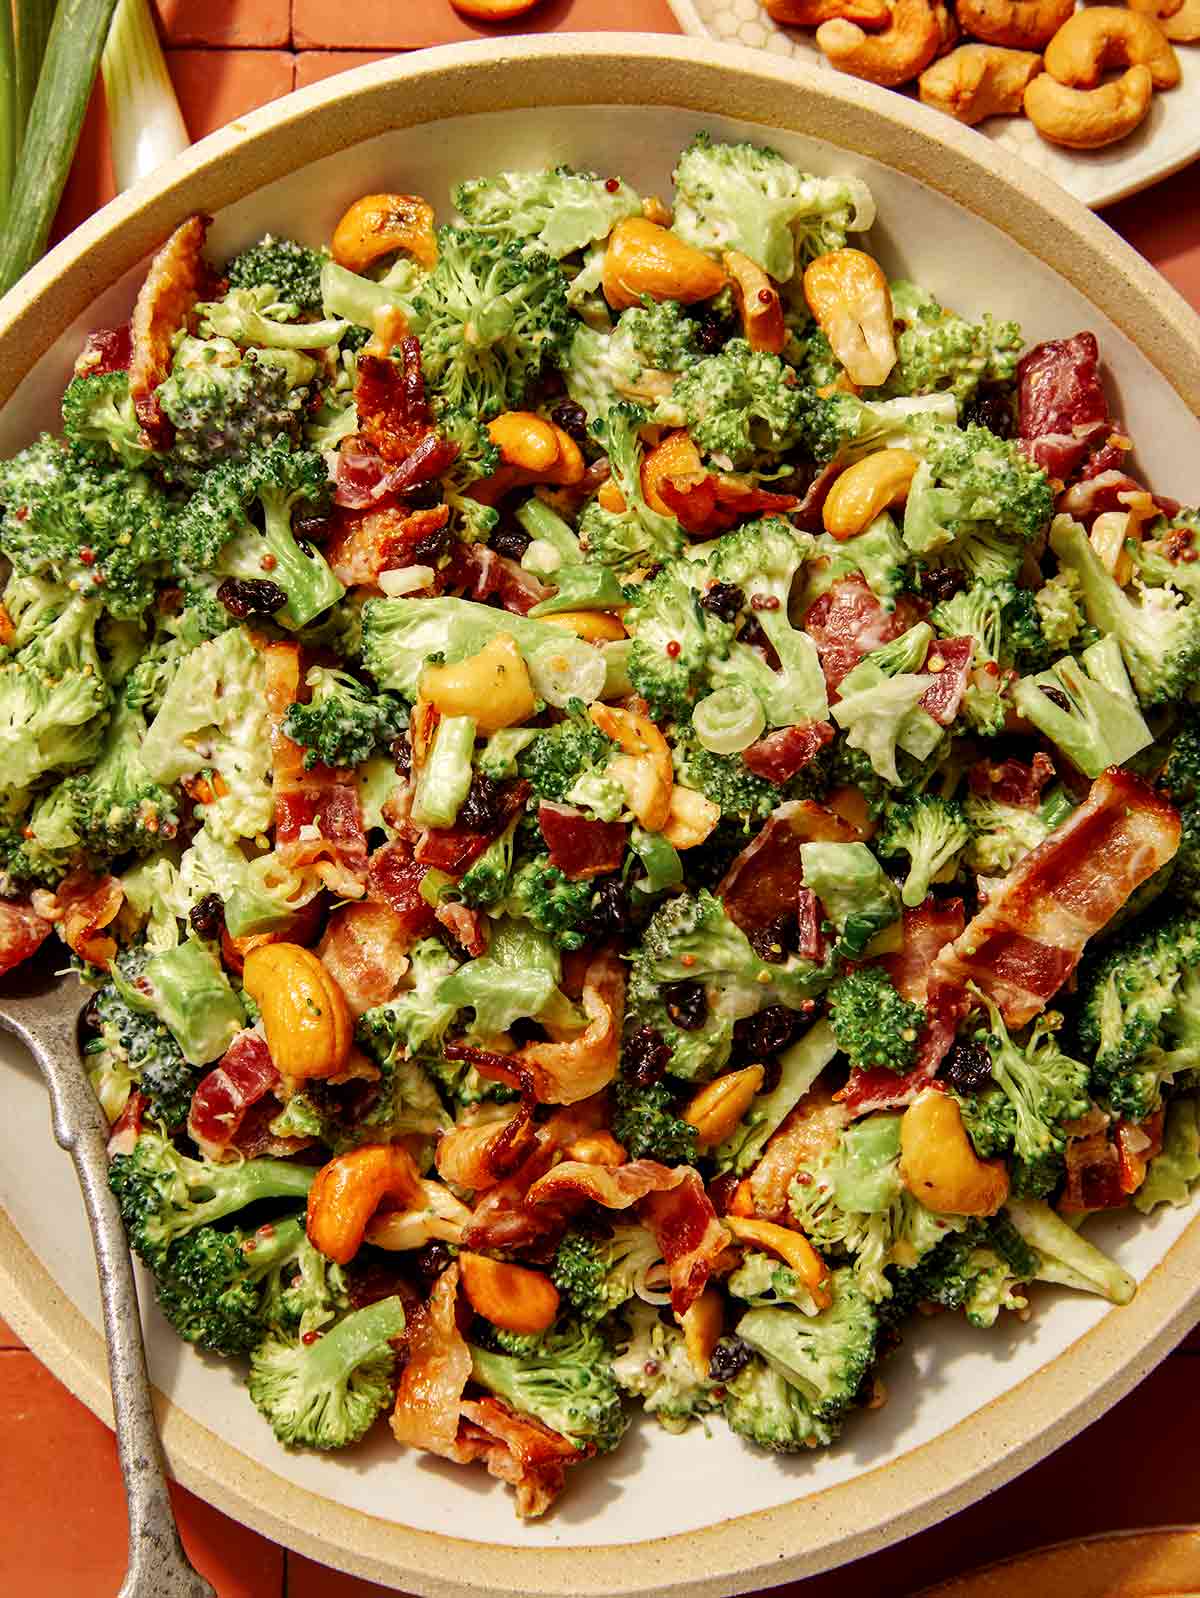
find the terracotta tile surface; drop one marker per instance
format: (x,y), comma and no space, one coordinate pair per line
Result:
(308,1580)
(9,1338)
(226,22)
(1161,224)
(408,24)
(312,66)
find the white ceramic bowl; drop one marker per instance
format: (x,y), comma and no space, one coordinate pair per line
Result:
(967,1410)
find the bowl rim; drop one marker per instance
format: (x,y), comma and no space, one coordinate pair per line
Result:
(939,1477)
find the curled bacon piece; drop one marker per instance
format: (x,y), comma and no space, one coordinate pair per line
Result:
(689,1234)
(22,933)
(1012,782)
(848,622)
(177,278)
(466,926)
(245,1075)
(812,1127)
(364,949)
(616,1187)
(580,845)
(363,545)
(482,574)
(83,906)
(765,879)
(779,755)
(1061,405)
(480,1156)
(389,396)
(1026,941)
(519,1450)
(565,1072)
(430,1390)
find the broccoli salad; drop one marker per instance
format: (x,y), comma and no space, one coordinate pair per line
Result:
(629,794)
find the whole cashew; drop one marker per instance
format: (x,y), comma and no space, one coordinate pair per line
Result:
(948,29)
(897,55)
(1183,25)
(1158,9)
(1087,119)
(979,80)
(1099,38)
(1015,24)
(812,13)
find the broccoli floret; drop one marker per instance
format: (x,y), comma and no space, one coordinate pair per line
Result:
(653,1364)
(747,197)
(1086,707)
(843,428)
(1001,834)
(939,351)
(99,410)
(559,756)
(880,707)
(598,1274)
(1158,630)
(1175,1169)
(142,1045)
(638,359)
(557,210)
(673,640)
(635,537)
(827,1355)
(116,808)
(799,1067)
(1002,620)
(291,270)
(416,1020)
(326,1392)
(726,780)
(976,501)
(1037,1087)
(1060,612)
(931,831)
(53,699)
(343,723)
(219,527)
(767,1410)
(566,1382)
(555,905)
(163,1195)
(1063,1256)
(225,403)
(487,881)
(978,1271)
(740,405)
(873,1025)
(186,987)
(1180,776)
(223,1289)
(645,1121)
(763,1280)
(258,317)
(855,894)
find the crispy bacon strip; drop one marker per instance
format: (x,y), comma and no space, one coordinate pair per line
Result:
(565,1072)
(365,948)
(519,1450)
(1012,782)
(616,1187)
(482,574)
(245,1075)
(811,1128)
(927,931)
(480,1156)
(766,878)
(1028,938)
(949,682)
(580,845)
(394,878)
(429,1394)
(689,1234)
(365,544)
(84,905)
(177,278)
(779,755)
(22,933)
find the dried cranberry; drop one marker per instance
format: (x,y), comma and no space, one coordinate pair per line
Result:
(729,1357)
(432,546)
(482,809)
(967,1067)
(645,1057)
(208,916)
(760,1036)
(724,600)
(510,540)
(942,584)
(430,1260)
(1056,697)
(572,418)
(991,408)
(610,909)
(251,596)
(772,942)
(401,752)
(89,1021)
(687,1004)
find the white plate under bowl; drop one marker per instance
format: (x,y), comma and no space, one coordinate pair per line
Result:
(1168,139)
(967,1410)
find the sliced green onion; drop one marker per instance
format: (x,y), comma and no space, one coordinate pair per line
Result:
(33,19)
(10,127)
(664,869)
(566,671)
(147,124)
(729,720)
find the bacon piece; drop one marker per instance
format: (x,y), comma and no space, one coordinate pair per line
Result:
(779,755)
(927,930)
(689,1234)
(812,1127)
(848,622)
(127,1128)
(177,278)
(1012,782)
(394,878)
(338,852)
(1061,403)
(364,949)
(1028,938)
(880,1089)
(1093,1176)
(565,1072)
(84,906)
(809,939)
(245,1075)
(453,849)
(947,685)
(479,1156)
(466,926)
(616,1187)
(581,846)
(429,1393)
(807,515)
(707,503)
(364,544)
(765,879)
(482,574)
(1108,491)
(517,1449)
(106,350)
(389,395)
(22,933)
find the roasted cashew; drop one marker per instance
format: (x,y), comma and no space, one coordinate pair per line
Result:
(979,80)
(1016,24)
(1099,38)
(812,13)
(949,31)
(895,56)
(1087,119)
(1183,26)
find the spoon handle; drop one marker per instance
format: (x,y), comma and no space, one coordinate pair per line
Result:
(158,1566)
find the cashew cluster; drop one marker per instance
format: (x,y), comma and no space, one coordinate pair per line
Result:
(1071,106)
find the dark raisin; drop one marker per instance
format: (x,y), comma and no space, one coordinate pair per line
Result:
(721,1190)
(991,408)
(510,540)
(687,1004)
(645,1057)
(713,332)
(724,600)
(89,1021)
(314,529)
(430,1260)
(772,942)
(772,1072)
(208,916)
(610,910)
(251,596)
(942,584)
(967,1067)
(729,1357)
(422,496)
(753,635)
(432,546)
(759,1037)
(401,752)
(482,809)
(1056,697)
(572,418)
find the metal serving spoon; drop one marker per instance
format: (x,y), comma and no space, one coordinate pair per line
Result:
(43,1009)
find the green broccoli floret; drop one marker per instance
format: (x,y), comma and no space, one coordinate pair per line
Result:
(749,198)
(53,699)
(937,351)
(543,895)
(218,529)
(635,537)
(557,210)
(1002,620)
(768,1411)
(116,808)
(1002,834)
(931,831)
(976,501)
(645,1121)
(223,1289)
(653,1364)
(978,1271)
(856,896)
(726,780)
(163,1195)
(225,403)
(292,271)
(598,1274)
(142,1045)
(741,405)
(99,410)
(763,1280)
(487,881)
(326,1392)
(186,987)
(343,723)
(566,1382)
(1175,1169)
(1063,1256)
(1087,708)
(799,1067)
(843,428)
(872,1023)
(1180,776)
(258,317)
(1060,615)
(1036,1088)
(674,638)
(1158,630)
(827,1356)
(416,1020)
(560,755)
